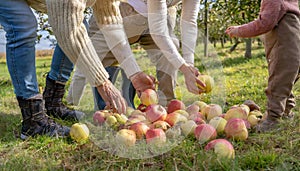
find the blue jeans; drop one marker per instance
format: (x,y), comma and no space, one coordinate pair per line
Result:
(127,88)
(20,26)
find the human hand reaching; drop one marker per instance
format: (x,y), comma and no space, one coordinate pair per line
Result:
(191,81)
(142,81)
(232,31)
(112,97)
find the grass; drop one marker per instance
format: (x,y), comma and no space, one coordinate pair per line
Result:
(237,79)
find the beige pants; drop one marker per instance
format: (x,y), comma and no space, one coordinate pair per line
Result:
(282,46)
(137,31)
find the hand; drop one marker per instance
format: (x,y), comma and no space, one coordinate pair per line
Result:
(232,31)
(142,81)
(191,81)
(112,97)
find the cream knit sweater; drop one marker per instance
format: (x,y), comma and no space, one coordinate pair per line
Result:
(65,17)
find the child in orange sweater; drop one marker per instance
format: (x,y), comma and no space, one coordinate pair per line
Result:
(279,20)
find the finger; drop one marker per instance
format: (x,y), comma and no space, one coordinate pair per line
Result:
(200,83)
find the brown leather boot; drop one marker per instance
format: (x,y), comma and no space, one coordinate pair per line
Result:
(36,122)
(53,95)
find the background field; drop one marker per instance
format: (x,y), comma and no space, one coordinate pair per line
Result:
(237,79)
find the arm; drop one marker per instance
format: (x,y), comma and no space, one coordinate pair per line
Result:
(189,29)
(268,18)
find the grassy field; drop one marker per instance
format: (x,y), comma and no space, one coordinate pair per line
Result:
(237,79)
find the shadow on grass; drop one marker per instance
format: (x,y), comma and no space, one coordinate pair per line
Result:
(10,126)
(230,62)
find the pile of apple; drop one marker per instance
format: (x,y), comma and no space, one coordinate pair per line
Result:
(157,124)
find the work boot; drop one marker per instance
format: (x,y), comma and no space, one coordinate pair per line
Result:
(53,95)
(267,125)
(36,122)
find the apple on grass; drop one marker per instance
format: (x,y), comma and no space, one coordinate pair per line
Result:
(236,129)
(160,124)
(192,109)
(79,132)
(201,104)
(212,110)
(156,137)
(149,97)
(222,148)
(219,123)
(156,112)
(174,105)
(126,137)
(205,132)
(140,129)
(236,112)
(174,118)
(188,127)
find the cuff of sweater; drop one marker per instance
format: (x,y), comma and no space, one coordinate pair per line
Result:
(177,62)
(130,66)
(189,58)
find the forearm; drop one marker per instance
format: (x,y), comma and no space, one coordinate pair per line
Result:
(66,19)
(189,28)
(160,32)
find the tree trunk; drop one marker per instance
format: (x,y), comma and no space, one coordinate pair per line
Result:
(248,53)
(222,42)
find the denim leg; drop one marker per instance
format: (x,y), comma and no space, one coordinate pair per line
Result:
(113,73)
(20,26)
(128,91)
(61,66)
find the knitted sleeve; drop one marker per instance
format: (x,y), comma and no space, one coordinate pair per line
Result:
(189,28)
(66,18)
(269,15)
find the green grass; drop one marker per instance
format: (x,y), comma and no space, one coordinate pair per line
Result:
(237,79)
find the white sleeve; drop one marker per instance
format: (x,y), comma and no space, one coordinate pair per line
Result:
(157,18)
(189,28)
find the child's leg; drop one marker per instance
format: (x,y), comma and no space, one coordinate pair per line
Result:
(283,53)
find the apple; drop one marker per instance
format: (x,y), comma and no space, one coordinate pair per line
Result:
(219,123)
(134,119)
(182,112)
(236,129)
(140,129)
(252,105)
(156,136)
(253,120)
(149,97)
(188,127)
(174,132)
(192,109)
(199,121)
(236,112)
(201,104)
(111,121)
(196,115)
(222,148)
(156,112)
(160,124)
(174,105)
(99,117)
(122,119)
(257,113)
(141,107)
(174,118)
(245,107)
(211,110)
(129,110)
(205,132)
(208,81)
(126,137)
(79,132)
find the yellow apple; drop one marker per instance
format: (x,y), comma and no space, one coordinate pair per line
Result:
(208,81)
(79,132)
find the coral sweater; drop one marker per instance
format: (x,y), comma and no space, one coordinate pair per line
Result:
(271,11)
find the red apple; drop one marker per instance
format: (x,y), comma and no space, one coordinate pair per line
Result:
(182,112)
(212,110)
(236,129)
(142,107)
(126,137)
(222,148)
(205,132)
(192,109)
(156,136)
(174,118)
(149,97)
(201,104)
(140,129)
(99,117)
(175,105)
(156,112)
